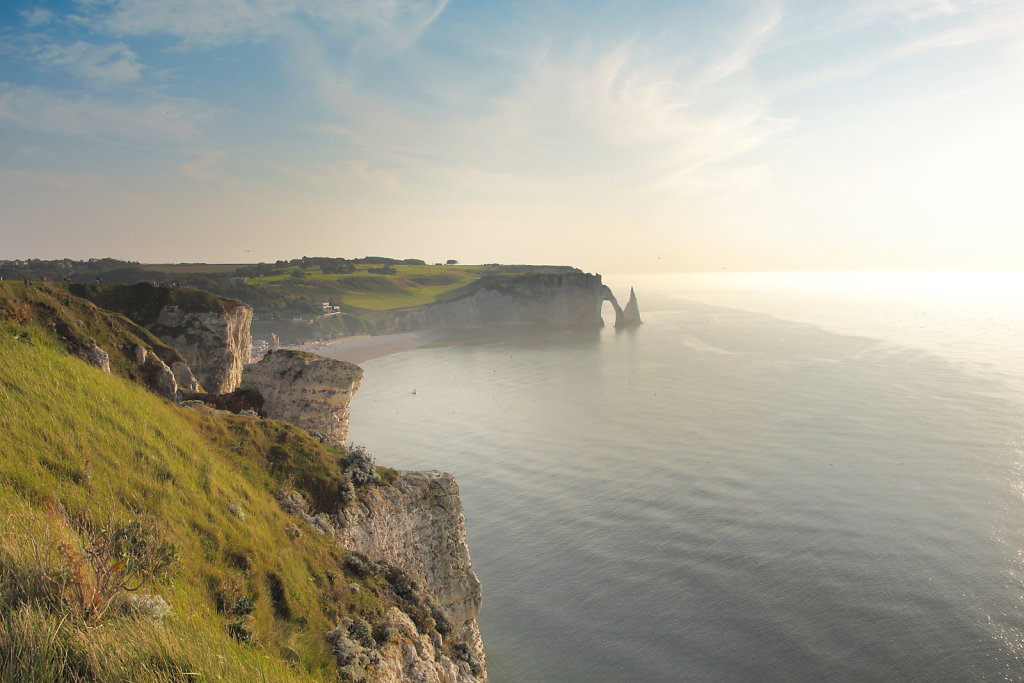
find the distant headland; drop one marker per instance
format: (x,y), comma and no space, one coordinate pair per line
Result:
(322,298)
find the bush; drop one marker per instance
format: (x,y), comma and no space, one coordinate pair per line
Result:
(360,565)
(360,468)
(441,621)
(385,632)
(239,631)
(359,631)
(102,563)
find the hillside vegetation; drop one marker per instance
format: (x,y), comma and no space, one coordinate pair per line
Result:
(145,541)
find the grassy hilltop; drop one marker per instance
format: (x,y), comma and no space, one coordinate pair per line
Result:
(145,541)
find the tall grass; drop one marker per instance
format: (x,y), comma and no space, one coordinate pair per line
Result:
(107,490)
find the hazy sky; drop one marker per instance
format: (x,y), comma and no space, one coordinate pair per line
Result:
(615,136)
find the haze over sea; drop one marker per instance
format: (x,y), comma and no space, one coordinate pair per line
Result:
(787,477)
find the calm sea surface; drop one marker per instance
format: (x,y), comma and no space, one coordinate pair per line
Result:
(777,477)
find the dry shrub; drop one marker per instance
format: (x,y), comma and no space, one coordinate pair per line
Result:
(78,566)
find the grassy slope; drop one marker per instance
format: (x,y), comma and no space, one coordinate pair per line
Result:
(76,321)
(85,450)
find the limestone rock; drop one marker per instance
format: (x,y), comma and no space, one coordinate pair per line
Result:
(410,656)
(216,344)
(560,300)
(309,391)
(156,373)
(417,524)
(184,377)
(210,332)
(98,357)
(631,313)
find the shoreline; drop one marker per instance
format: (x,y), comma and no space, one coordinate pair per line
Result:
(365,347)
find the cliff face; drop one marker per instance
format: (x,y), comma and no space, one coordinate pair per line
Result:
(309,391)
(209,331)
(417,524)
(562,300)
(216,344)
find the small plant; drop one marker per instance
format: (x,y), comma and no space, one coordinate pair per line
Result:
(107,561)
(359,565)
(441,621)
(239,631)
(385,632)
(359,631)
(359,467)
(231,599)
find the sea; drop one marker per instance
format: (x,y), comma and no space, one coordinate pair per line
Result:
(777,477)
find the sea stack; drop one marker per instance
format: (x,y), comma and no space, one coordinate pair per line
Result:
(631,313)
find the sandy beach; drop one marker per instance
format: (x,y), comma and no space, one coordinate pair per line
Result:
(364,347)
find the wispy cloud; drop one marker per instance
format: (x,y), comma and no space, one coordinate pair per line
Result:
(207,167)
(616,116)
(37,108)
(37,16)
(201,23)
(100,65)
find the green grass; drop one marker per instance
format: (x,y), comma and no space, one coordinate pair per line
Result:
(84,454)
(361,290)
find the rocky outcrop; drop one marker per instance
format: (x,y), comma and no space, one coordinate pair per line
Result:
(216,344)
(184,377)
(408,656)
(98,357)
(631,313)
(309,391)
(416,524)
(156,373)
(210,332)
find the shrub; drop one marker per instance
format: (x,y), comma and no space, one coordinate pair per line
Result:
(360,468)
(359,631)
(360,565)
(104,562)
(441,621)
(239,631)
(385,632)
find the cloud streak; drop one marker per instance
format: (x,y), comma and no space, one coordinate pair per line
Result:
(103,66)
(42,109)
(204,24)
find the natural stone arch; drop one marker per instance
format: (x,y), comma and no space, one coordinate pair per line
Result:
(606,295)
(628,317)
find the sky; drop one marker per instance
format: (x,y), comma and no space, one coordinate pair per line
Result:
(642,136)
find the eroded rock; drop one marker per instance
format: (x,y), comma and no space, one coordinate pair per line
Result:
(309,391)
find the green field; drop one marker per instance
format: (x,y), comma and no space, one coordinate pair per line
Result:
(410,286)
